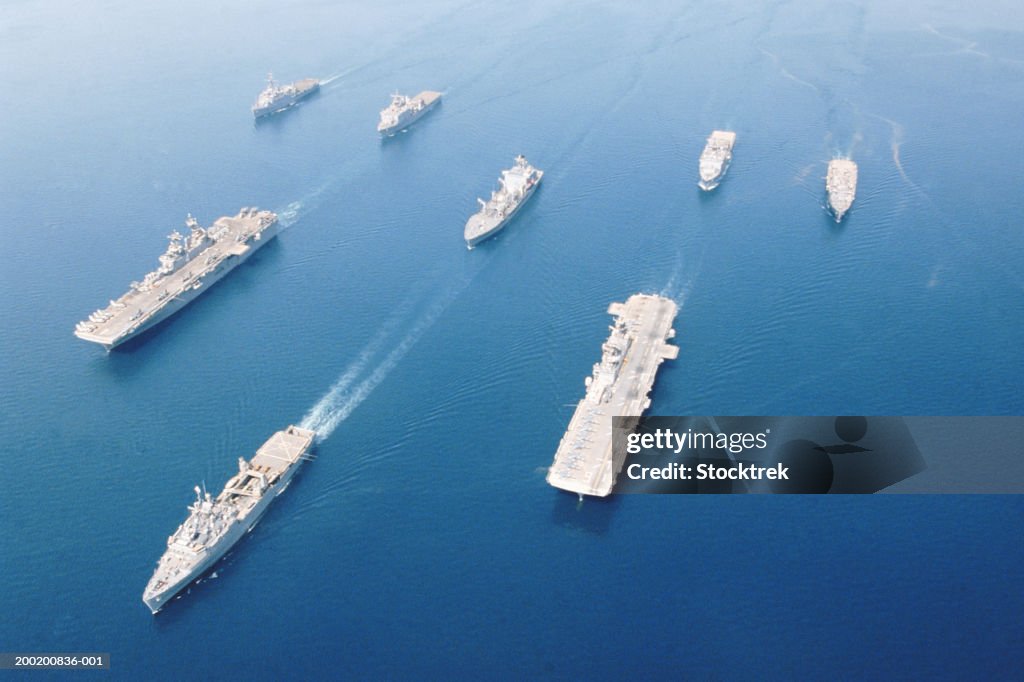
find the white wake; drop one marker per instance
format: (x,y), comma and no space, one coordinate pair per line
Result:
(357,381)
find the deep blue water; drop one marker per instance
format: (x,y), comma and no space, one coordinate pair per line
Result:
(423,541)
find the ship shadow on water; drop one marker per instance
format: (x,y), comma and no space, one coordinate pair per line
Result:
(591,514)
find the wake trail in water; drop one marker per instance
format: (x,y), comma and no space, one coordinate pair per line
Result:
(851,148)
(785,73)
(333,77)
(293,212)
(895,143)
(358,381)
(679,290)
(322,412)
(966,46)
(346,395)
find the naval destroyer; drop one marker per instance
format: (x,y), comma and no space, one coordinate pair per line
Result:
(404,111)
(516,185)
(275,98)
(188,268)
(585,462)
(214,525)
(841,185)
(715,159)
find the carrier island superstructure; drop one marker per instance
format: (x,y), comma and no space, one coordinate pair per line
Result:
(516,186)
(404,111)
(189,267)
(585,462)
(841,186)
(214,525)
(715,159)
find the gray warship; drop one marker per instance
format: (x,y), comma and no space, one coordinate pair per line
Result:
(188,268)
(275,98)
(585,462)
(715,159)
(841,185)
(517,184)
(404,111)
(214,525)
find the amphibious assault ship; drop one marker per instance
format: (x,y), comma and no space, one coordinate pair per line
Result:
(585,462)
(517,184)
(214,525)
(275,98)
(841,185)
(404,111)
(188,268)
(715,159)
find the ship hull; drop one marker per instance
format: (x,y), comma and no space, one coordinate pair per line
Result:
(708,185)
(838,213)
(429,104)
(159,600)
(840,187)
(285,102)
(498,226)
(586,463)
(184,298)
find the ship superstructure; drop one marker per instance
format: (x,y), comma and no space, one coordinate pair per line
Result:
(715,159)
(275,97)
(404,111)
(585,462)
(214,525)
(515,186)
(841,185)
(191,264)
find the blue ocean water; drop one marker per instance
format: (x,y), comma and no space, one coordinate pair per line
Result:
(423,541)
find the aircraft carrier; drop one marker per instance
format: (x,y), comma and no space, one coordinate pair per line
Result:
(188,268)
(715,159)
(275,98)
(585,462)
(404,111)
(841,185)
(213,525)
(517,185)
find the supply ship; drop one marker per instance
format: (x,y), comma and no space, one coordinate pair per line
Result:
(214,525)
(585,462)
(188,268)
(715,159)
(516,185)
(841,185)
(404,111)
(275,98)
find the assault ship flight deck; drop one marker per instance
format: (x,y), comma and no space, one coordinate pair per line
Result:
(715,159)
(585,462)
(276,98)
(841,186)
(213,525)
(188,268)
(404,111)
